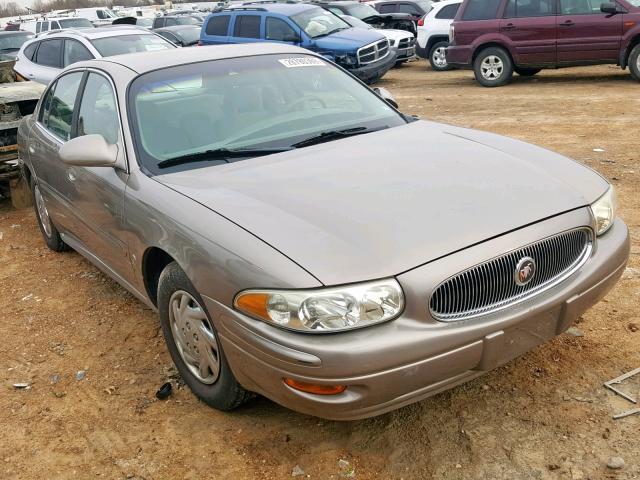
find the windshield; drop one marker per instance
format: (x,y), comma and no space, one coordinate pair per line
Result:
(356,22)
(121,44)
(635,3)
(13,42)
(318,22)
(75,23)
(361,11)
(261,102)
(144,22)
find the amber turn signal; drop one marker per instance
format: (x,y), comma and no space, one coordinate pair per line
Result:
(313,388)
(253,304)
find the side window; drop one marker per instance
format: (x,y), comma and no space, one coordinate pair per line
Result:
(448,12)
(49,53)
(578,7)
(169,36)
(218,25)
(481,10)
(247,26)
(43,115)
(387,8)
(335,10)
(170,22)
(98,113)
(55,26)
(44,26)
(38,26)
(60,113)
(529,8)
(101,15)
(74,52)
(278,29)
(30,50)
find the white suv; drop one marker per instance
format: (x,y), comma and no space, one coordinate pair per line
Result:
(55,23)
(433,33)
(42,59)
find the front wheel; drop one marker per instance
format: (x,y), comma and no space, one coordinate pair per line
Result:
(493,67)
(634,62)
(193,342)
(526,72)
(49,231)
(438,57)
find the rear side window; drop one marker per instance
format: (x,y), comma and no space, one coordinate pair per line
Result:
(58,113)
(74,52)
(49,53)
(30,50)
(529,8)
(481,10)
(387,8)
(448,12)
(247,26)
(218,26)
(158,22)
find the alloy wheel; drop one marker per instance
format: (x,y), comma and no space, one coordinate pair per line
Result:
(194,337)
(43,213)
(491,67)
(440,57)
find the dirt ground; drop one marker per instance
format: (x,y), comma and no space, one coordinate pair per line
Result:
(543,416)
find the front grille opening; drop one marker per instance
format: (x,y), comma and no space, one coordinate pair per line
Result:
(491,285)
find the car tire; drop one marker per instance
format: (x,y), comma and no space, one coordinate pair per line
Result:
(193,342)
(634,62)
(437,57)
(49,231)
(526,72)
(493,67)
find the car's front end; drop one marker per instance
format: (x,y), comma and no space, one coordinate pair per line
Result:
(402,42)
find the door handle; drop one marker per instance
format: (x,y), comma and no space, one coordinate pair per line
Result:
(71,174)
(568,23)
(509,26)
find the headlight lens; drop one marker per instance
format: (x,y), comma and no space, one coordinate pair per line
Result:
(604,210)
(327,309)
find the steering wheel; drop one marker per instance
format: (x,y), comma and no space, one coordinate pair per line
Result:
(307,99)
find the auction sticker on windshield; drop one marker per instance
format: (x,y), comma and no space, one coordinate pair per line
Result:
(302,62)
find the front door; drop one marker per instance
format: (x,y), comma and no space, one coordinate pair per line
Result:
(531,27)
(585,34)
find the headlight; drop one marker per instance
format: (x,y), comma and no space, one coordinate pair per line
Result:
(604,210)
(327,309)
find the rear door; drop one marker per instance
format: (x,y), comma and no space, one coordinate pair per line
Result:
(585,34)
(530,26)
(47,61)
(246,29)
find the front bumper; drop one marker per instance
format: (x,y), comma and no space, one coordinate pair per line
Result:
(372,72)
(408,359)
(404,54)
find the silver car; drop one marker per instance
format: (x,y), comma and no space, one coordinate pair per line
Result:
(301,238)
(42,59)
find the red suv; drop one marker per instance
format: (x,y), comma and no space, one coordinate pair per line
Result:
(498,37)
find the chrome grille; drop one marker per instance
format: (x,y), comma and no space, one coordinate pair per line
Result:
(491,285)
(373,52)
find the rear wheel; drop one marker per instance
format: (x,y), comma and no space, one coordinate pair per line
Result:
(49,231)
(193,342)
(526,72)
(493,67)
(634,62)
(438,57)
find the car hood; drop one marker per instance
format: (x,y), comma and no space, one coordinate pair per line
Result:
(380,204)
(347,40)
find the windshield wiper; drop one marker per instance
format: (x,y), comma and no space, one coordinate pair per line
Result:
(335,135)
(223,154)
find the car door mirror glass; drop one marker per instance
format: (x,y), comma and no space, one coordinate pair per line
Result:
(89,151)
(384,94)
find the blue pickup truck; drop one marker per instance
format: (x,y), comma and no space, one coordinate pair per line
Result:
(365,53)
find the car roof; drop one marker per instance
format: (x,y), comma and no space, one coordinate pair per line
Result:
(147,61)
(282,8)
(99,32)
(177,28)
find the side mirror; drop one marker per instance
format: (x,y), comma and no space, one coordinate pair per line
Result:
(609,7)
(89,151)
(384,94)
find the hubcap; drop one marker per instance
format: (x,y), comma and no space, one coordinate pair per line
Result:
(194,338)
(440,57)
(43,214)
(491,67)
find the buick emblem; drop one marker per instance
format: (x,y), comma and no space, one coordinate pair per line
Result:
(525,271)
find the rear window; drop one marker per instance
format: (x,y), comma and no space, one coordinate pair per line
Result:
(481,10)
(218,25)
(75,23)
(247,26)
(49,53)
(121,44)
(448,12)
